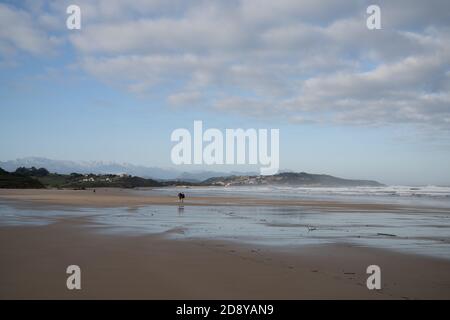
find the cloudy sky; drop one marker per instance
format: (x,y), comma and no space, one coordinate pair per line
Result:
(348,101)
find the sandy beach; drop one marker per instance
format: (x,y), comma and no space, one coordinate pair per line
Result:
(110,197)
(34,260)
(157,266)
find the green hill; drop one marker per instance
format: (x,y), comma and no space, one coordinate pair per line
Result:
(27,178)
(291,179)
(18,181)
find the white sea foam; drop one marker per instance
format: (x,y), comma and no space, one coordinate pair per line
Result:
(401,191)
(404,191)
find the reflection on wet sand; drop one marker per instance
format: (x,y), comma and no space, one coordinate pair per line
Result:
(425,232)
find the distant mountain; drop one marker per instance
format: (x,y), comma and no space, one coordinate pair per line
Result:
(85,167)
(100,167)
(291,178)
(195,177)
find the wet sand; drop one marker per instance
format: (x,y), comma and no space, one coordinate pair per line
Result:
(110,197)
(135,266)
(34,260)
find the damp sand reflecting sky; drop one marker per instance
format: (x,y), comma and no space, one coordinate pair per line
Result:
(423,233)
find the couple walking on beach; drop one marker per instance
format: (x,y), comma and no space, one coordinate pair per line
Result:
(181,197)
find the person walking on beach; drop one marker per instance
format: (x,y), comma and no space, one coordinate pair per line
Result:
(181,197)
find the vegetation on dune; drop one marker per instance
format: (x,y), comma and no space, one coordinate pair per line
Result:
(41,178)
(18,181)
(110,180)
(32,172)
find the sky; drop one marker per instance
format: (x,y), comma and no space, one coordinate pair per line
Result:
(348,101)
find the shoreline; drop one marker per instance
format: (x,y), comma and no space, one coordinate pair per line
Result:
(111,197)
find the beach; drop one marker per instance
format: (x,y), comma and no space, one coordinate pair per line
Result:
(110,197)
(120,261)
(241,149)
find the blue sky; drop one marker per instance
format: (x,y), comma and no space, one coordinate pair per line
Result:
(348,101)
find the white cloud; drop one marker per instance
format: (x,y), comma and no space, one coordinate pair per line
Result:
(185,98)
(303,61)
(20,31)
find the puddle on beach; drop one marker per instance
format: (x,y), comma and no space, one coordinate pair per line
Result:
(426,233)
